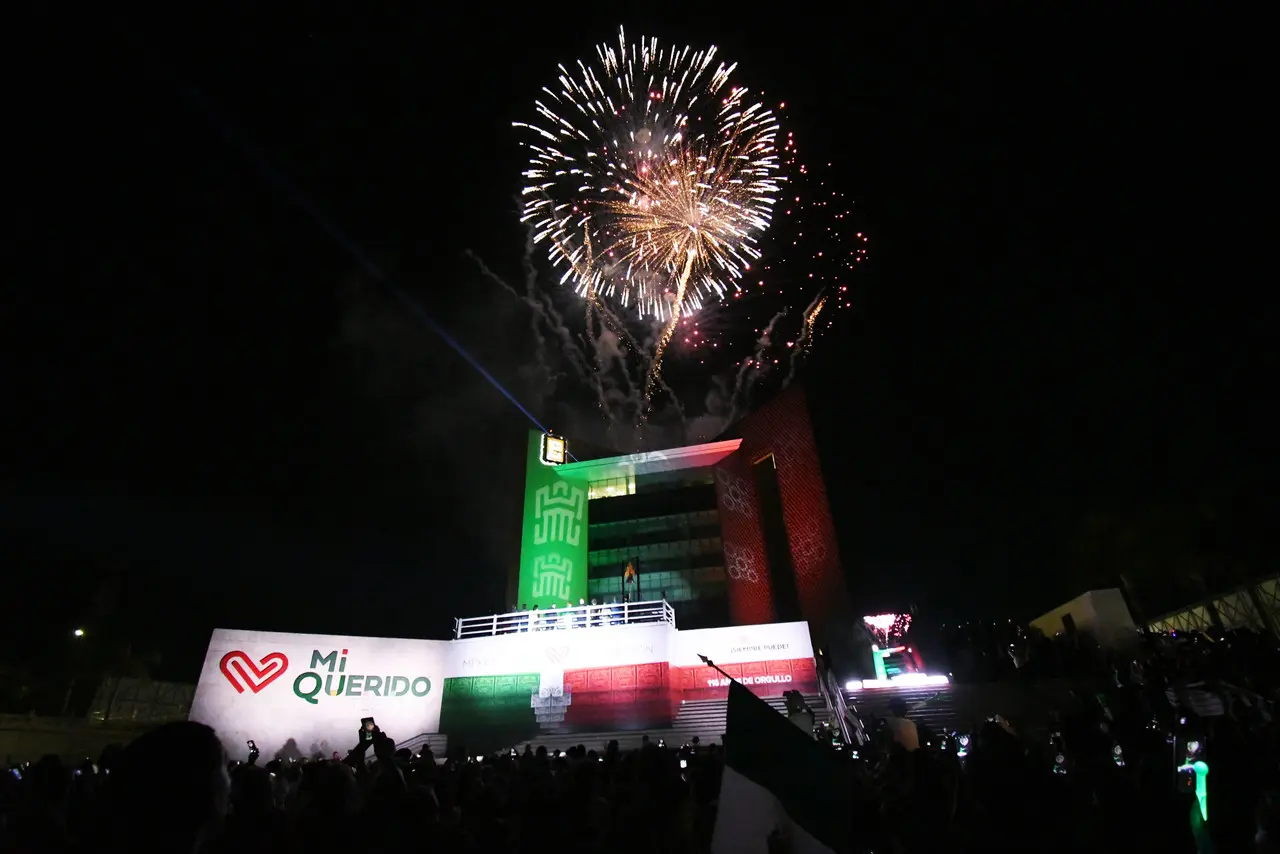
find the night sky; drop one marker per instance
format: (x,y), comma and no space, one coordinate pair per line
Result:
(215,414)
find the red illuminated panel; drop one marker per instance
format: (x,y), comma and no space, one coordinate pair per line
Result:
(636,696)
(745,563)
(782,428)
(763,678)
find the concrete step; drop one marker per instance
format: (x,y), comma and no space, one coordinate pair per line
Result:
(932,706)
(438,742)
(965,707)
(702,718)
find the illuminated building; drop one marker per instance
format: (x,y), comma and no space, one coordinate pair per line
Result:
(733,532)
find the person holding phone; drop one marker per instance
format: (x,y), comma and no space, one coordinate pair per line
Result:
(369,737)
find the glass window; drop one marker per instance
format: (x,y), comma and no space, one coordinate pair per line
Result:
(611,487)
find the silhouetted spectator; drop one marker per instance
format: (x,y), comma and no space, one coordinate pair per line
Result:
(169,790)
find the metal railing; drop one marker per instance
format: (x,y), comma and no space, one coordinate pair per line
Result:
(559,619)
(848,712)
(850,725)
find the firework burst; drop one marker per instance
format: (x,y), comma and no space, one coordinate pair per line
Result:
(650,178)
(655,187)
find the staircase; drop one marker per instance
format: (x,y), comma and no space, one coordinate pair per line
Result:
(965,707)
(438,742)
(706,718)
(702,718)
(940,713)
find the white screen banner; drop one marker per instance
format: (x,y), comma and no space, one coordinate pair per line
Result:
(742,644)
(305,694)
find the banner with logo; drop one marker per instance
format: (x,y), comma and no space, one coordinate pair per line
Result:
(304,695)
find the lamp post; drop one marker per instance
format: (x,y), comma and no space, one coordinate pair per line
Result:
(78,634)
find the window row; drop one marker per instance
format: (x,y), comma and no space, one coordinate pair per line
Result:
(655,551)
(651,524)
(634,541)
(686,586)
(611,488)
(696,577)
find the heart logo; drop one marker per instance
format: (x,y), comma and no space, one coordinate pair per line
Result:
(242,673)
(557,654)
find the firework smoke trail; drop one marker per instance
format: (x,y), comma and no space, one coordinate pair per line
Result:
(653,380)
(595,312)
(740,399)
(638,405)
(543,310)
(595,306)
(530,285)
(591,358)
(805,341)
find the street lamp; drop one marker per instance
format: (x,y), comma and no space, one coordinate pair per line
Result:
(71,685)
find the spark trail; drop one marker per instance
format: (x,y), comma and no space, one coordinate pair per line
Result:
(655,366)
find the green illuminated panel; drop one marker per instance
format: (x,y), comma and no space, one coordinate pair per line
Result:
(484,712)
(553,541)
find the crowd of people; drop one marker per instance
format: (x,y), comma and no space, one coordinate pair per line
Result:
(1111,778)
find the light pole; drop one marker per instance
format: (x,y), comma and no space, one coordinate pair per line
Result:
(78,634)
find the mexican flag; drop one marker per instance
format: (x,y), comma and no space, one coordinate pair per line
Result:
(781,790)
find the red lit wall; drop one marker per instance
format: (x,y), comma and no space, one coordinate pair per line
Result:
(633,696)
(781,428)
(763,678)
(643,696)
(750,597)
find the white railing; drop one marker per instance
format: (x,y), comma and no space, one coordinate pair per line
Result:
(558,619)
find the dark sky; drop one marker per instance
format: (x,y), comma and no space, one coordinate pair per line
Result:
(208,407)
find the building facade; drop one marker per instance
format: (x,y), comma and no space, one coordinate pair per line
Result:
(732,532)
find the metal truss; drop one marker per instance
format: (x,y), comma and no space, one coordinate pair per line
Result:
(1238,609)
